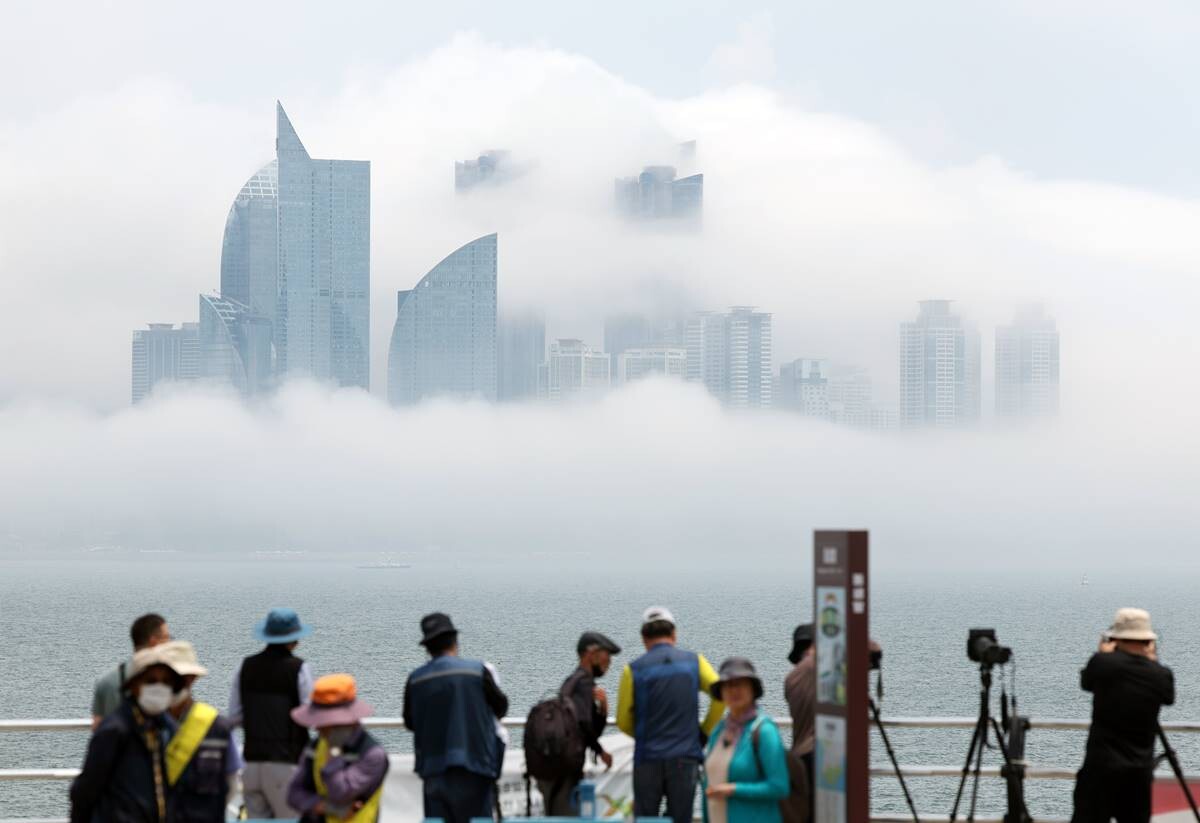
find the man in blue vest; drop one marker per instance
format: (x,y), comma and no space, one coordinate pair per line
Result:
(658,705)
(451,706)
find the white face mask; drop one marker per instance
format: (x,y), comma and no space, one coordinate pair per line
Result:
(180,696)
(155,698)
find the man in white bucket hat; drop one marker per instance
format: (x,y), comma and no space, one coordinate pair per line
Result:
(1129,687)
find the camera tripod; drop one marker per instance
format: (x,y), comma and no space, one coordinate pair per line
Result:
(1169,755)
(1012,750)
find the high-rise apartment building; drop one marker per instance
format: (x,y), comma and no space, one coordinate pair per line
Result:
(521,348)
(444,340)
(163,353)
(652,360)
(1027,366)
(730,354)
(235,345)
(493,166)
(939,369)
(573,369)
(656,193)
(324,266)
(803,387)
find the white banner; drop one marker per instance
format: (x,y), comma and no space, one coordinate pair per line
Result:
(403,801)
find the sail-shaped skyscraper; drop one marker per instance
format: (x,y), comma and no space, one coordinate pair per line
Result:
(444,341)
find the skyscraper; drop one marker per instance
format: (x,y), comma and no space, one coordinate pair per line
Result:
(324,263)
(235,345)
(656,193)
(250,249)
(521,341)
(804,387)
(651,360)
(731,355)
(1027,365)
(494,166)
(939,369)
(444,340)
(163,353)
(573,369)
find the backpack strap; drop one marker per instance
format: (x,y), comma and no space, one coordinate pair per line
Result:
(755,728)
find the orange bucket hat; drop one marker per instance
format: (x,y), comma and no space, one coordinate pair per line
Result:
(334,702)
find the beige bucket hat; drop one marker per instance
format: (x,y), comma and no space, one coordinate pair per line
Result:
(1132,624)
(177,655)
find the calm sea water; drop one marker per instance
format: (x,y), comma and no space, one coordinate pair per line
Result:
(63,622)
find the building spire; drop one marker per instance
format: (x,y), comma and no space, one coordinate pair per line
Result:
(287,142)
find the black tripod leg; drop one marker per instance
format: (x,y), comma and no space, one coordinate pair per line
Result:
(887,745)
(966,769)
(978,766)
(1178,769)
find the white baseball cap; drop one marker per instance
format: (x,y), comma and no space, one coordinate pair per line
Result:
(655,614)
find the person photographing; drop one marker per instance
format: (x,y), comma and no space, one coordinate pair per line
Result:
(1129,686)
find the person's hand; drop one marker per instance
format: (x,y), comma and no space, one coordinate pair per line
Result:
(319,809)
(720,790)
(1107,644)
(600,696)
(607,760)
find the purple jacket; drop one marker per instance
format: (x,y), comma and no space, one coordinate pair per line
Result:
(352,776)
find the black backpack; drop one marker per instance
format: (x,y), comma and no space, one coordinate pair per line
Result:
(554,745)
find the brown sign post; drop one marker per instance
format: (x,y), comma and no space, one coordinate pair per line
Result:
(840,597)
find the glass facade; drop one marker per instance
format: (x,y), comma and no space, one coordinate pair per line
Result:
(235,344)
(162,353)
(324,225)
(444,340)
(250,250)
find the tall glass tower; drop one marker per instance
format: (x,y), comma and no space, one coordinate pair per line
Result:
(250,250)
(444,340)
(324,266)
(297,255)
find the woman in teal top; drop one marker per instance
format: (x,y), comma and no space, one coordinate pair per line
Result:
(745,768)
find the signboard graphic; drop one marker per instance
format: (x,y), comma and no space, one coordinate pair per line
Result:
(840,613)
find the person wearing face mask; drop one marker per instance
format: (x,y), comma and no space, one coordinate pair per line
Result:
(591,712)
(201,757)
(340,778)
(124,774)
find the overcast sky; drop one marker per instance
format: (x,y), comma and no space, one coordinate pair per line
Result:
(857,159)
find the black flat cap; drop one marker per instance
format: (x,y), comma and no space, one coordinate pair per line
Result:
(595,640)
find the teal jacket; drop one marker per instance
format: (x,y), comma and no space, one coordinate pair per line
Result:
(758,791)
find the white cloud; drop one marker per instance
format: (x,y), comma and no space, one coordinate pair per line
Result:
(112,213)
(657,471)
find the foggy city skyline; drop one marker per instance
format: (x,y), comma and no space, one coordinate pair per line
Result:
(833,210)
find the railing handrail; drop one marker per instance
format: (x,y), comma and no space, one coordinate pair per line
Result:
(899,722)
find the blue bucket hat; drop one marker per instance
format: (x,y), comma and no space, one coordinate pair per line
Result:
(281,626)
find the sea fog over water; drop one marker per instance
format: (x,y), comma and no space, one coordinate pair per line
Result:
(64,621)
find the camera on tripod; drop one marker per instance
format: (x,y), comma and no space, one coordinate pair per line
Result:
(983,649)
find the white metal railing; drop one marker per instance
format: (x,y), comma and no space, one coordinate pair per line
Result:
(1034,772)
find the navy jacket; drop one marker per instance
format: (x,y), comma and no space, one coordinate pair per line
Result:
(450,705)
(116,784)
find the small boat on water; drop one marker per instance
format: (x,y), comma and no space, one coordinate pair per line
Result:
(1084,581)
(386,563)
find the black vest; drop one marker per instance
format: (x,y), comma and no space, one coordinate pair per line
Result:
(269,693)
(200,794)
